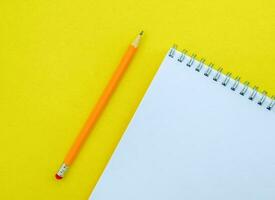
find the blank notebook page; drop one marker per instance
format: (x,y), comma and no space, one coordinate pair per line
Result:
(193,138)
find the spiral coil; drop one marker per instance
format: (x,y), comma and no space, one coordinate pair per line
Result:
(254,92)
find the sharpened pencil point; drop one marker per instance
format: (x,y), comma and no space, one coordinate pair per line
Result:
(136,41)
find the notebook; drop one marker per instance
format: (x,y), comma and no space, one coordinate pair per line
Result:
(197,134)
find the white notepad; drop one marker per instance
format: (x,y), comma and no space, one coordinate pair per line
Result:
(192,138)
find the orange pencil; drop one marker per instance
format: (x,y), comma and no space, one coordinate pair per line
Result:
(99,107)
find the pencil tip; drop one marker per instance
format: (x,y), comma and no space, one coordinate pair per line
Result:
(136,41)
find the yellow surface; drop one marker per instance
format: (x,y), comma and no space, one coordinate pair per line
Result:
(56,57)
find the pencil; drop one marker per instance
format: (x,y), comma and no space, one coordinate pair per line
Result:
(99,107)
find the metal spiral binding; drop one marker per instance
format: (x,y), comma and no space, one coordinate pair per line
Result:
(263,98)
(199,67)
(236,83)
(209,70)
(245,86)
(272,103)
(191,61)
(172,52)
(218,74)
(227,79)
(182,56)
(254,93)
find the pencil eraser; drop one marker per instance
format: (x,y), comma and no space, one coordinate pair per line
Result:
(58,177)
(61,172)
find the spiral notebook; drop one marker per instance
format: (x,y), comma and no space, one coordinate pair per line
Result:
(197,134)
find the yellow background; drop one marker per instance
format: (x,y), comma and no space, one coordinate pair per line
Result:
(56,57)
